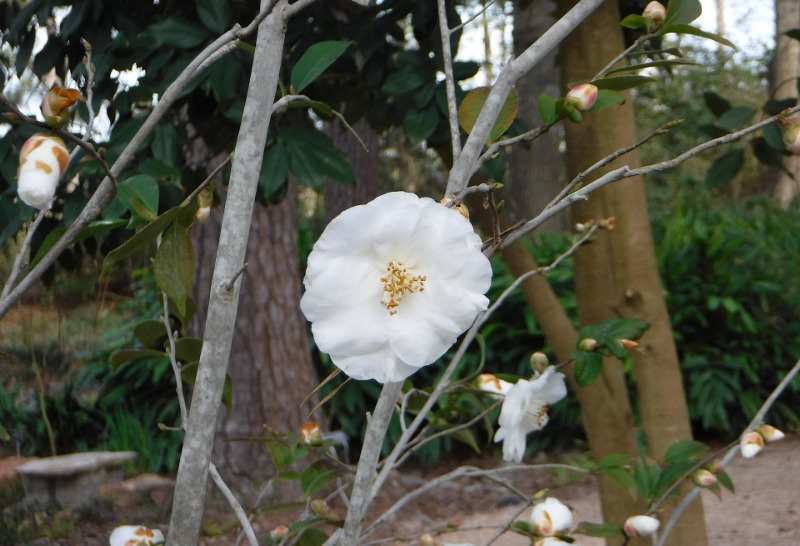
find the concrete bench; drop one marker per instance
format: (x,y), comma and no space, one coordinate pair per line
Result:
(72,480)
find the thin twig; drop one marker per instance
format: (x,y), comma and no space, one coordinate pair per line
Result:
(176,368)
(635,45)
(527,136)
(477,14)
(234,504)
(26,243)
(756,421)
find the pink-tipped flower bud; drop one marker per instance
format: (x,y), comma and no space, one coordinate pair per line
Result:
(751,444)
(312,434)
(715,466)
(42,161)
(539,362)
(656,13)
(704,478)
(279,533)
(492,384)
(640,526)
(582,96)
(770,433)
(56,104)
(587,344)
(551,517)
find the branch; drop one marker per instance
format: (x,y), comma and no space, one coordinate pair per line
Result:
(468,161)
(176,369)
(754,423)
(17,267)
(107,189)
(235,506)
(449,80)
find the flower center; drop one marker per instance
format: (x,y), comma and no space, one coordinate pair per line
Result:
(537,413)
(397,282)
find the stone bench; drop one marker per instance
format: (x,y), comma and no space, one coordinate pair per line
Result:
(72,480)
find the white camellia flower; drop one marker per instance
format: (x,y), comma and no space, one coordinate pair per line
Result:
(135,535)
(525,410)
(42,161)
(492,384)
(551,517)
(390,285)
(640,526)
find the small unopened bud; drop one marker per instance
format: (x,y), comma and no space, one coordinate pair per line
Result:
(490,383)
(770,433)
(551,517)
(704,478)
(640,526)
(608,223)
(427,540)
(580,228)
(655,12)
(458,205)
(56,103)
(715,466)
(539,362)
(203,214)
(587,344)
(751,444)
(42,161)
(279,533)
(312,434)
(582,96)
(629,344)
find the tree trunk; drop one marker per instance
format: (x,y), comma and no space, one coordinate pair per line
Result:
(536,170)
(617,275)
(784,85)
(270,363)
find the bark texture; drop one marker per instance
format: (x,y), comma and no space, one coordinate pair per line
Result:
(537,169)
(617,276)
(784,85)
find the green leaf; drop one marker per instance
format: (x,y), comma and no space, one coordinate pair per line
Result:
(652,64)
(688,29)
(620,83)
(725,480)
(141,186)
(772,135)
(587,367)
(615,459)
(142,237)
(165,143)
(601,530)
(463,70)
(95,228)
(725,167)
(466,436)
(187,349)
(682,11)
(281,453)
(141,213)
(407,79)
(621,476)
(736,118)
(793,33)
(314,61)
(472,105)
(149,331)
(715,103)
(607,98)
(316,476)
(631,328)
(775,106)
(766,154)
(173,265)
(214,14)
(646,478)
(683,450)
(420,124)
(547,109)
(312,537)
(636,22)
(313,157)
(127,355)
(274,169)
(173,32)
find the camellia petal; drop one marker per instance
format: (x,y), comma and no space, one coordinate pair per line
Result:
(42,161)
(390,285)
(551,517)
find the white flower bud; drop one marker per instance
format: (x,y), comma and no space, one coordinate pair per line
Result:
(751,444)
(655,12)
(551,517)
(42,161)
(640,526)
(770,433)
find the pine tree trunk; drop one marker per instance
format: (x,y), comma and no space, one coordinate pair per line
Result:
(617,275)
(784,85)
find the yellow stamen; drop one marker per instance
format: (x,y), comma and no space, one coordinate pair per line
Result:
(398,282)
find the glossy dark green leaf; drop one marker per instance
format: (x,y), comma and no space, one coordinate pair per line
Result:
(141,186)
(317,58)
(274,169)
(766,154)
(725,167)
(621,476)
(607,98)
(793,33)
(694,31)
(776,106)
(149,331)
(463,70)
(547,109)
(683,450)
(24,52)
(281,453)
(313,537)
(173,32)
(313,157)
(165,143)
(725,480)
(615,329)
(773,136)
(173,265)
(636,22)
(214,14)
(736,118)
(405,80)
(682,11)
(646,477)
(587,367)
(187,349)
(95,228)
(420,124)
(715,103)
